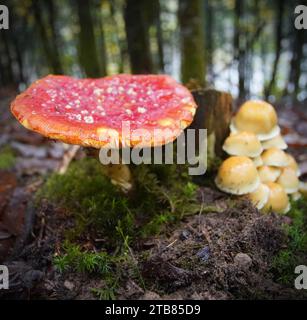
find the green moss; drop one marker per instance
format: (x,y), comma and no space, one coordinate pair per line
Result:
(296,251)
(73,258)
(7,158)
(163,194)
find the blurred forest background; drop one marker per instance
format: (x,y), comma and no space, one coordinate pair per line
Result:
(249,48)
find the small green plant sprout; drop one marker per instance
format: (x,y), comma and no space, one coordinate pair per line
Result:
(7,158)
(74,259)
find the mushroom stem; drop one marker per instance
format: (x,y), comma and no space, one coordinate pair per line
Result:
(119,174)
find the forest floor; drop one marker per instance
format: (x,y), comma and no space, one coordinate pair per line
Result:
(62,237)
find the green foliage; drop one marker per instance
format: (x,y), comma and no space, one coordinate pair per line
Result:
(296,251)
(163,194)
(73,258)
(107,292)
(7,158)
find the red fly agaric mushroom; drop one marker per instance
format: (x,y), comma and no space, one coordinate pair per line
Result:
(243,144)
(91,112)
(258,117)
(237,175)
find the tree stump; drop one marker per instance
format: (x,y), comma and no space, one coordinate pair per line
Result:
(214,114)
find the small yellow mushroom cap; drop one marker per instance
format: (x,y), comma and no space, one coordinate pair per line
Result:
(276,142)
(257,161)
(243,144)
(268,174)
(296,196)
(237,175)
(258,117)
(303,188)
(260,196)
(278,199)
(288,180)
(274,157)
(293,164)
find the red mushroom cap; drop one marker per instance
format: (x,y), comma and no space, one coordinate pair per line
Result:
(81,111)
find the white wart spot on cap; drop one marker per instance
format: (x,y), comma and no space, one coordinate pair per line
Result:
(88,119)
(141,110)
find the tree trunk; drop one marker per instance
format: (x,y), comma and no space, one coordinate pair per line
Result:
(54,43)
(292,87)
(120,42)
(214,114)
(239,48)
(190,16)
(8,77)
(87,45)
(137,32)
(52,61)
(278,39)
(102,43)
(159,33)
(209,38)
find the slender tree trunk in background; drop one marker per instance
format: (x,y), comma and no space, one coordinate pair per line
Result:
(52,60)
(278,39)
(103,53)
(239,48)
(292,87)
(87,45)
(54,43)
(8,77)
(120,43)
(209,38)
(157,24)
(137,32)
(19,61)
(191,23)
(102,56)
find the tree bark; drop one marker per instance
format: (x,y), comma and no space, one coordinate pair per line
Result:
(239,48)
(54,43)
(102,43)
(209,24)
(292,87)
(159,33)
(87,44)
(120,43)
(191,22)
(214,114)
(52,59)
(8,77)
(137,32)
(278,39)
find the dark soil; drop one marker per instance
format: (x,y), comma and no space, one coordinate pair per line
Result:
(224,255)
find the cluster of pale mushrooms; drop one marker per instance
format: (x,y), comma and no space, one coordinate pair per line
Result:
(258,166)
